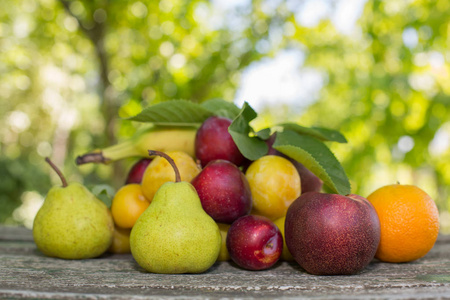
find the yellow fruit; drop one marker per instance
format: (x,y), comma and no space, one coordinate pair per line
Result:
(159,171)
(285,255)
(128,204)
(275,184)
(121,241)
(409,222)
(153,138)
(223,254)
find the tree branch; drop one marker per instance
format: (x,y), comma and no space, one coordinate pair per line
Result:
(96,36)
(86,31)
(109,108)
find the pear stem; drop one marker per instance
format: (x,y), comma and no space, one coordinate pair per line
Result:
(170,160)
(55,168)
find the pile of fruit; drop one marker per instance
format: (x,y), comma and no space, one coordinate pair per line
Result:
(207,187)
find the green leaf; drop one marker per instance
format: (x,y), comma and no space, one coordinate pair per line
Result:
(315,156)
(323,134)
(103,192)
(221,108)
(264,133)
(252,147)
(174,113)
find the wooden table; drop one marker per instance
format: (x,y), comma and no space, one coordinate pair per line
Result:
(26,273)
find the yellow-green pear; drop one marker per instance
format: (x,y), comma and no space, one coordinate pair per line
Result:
(174,234)
(72,223)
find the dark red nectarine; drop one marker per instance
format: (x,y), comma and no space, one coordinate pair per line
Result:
(213,141)
(254,242)
(224,191)
(330,234)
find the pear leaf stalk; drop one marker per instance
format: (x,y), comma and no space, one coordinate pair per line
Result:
(55,168)
(170,160)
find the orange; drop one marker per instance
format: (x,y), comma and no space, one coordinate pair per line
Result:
(409,222)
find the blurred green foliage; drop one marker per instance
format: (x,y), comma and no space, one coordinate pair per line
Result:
(70,70)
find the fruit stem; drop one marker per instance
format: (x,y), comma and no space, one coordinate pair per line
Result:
(109,154)
(55,168)
(91,158)
(170,160)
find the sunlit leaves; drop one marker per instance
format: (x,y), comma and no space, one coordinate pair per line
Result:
(385,92)
(384,86)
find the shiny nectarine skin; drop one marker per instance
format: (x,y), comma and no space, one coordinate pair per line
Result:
(224,191)
(213,141)
(254,242)
(330,234)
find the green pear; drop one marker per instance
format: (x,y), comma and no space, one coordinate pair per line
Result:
(174,234)
(72,223)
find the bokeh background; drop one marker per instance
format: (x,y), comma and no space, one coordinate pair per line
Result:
(71,71)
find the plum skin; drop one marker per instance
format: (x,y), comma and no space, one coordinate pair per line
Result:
(224,191)
(213,141)
(254,242)
(330,234)
(137,171)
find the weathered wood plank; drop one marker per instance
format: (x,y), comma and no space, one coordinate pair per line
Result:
(26,273)
(15,233)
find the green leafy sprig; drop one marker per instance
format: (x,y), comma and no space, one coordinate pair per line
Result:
(303,144)
(185,113)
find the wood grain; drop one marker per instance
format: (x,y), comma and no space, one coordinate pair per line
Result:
(26,273)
